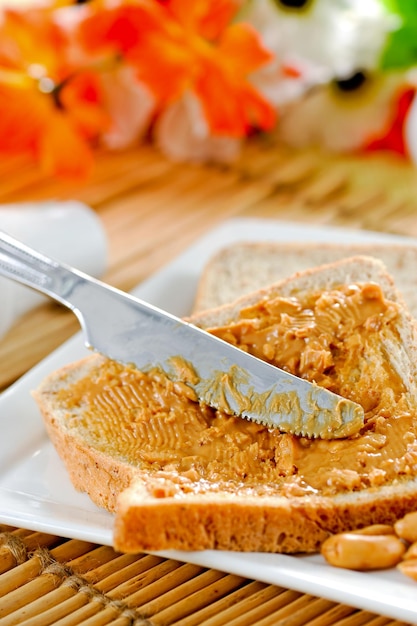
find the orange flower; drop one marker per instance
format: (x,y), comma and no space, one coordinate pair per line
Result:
(216,69)
(119,28)
(180,46)
(57,62)
(53,110)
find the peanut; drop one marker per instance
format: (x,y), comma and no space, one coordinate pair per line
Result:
(411,551)
(409,568)
(363,552)
(375,529)
(406,527)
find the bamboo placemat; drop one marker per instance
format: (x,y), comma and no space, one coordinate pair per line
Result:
(151,210)
(48,580)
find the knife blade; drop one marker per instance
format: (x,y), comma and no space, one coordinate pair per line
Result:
(131,331)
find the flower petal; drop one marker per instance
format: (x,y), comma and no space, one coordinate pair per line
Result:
(207,18)
(62,151)
(16,135)
(232,108)
(118,28)
(183,135)
(130,106)
(394,135)
(80,99)
(241,44)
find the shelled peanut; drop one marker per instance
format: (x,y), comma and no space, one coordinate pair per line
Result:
(379,546)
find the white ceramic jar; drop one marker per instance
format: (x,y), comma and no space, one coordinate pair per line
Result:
(68,231)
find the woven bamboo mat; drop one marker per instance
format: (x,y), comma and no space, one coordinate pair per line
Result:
(48,580)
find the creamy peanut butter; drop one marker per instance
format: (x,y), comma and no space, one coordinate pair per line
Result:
(331,338)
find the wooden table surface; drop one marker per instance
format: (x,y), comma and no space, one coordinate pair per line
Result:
(152,209)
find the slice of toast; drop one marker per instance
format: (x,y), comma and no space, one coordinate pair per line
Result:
(180,475)
(242,267)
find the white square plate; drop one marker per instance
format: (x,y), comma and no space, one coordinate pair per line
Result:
(35,491)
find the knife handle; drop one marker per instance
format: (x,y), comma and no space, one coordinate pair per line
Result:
(97,306)
(34,269)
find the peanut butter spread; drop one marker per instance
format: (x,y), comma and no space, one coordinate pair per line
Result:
(336,338)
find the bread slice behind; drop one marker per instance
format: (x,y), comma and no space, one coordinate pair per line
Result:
(245,266)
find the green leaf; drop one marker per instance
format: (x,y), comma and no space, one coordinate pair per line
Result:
(400,51)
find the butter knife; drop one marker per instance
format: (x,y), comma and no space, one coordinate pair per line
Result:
(131,331)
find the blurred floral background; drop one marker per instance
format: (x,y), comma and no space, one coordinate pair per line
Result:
(197,78)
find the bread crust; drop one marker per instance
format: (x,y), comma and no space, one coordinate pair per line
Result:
(274,524)
(191,521)
(101,476)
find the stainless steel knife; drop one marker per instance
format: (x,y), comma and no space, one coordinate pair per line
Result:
(128,330)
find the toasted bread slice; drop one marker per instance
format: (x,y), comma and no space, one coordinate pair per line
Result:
(243,267)
(182,476)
